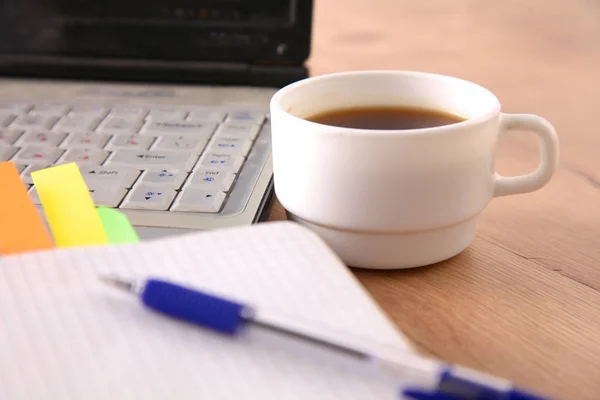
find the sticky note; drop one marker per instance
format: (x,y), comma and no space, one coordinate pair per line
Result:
(117,227)
(68,206)
(22,227)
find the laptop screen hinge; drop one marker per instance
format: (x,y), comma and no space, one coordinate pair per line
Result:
(152,71)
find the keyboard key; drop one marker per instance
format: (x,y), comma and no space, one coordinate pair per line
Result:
(50,109)
(101,196)
(168,127)
(8,137)
(26,173)
(206,116)
(199,200)
(77,123)
(44,155)
(15,107)
(6,152)
(238,145)
(172,177)
(130,142)
(20,167)
(96,176)
(130,112)
(135,156)
(167,114)
(35,197)
(85,140)
(6,118)
(249,132)
(211,179)
(119,125)
(107,196)
(187,142)
(246,116)
(41,138)
(89,110)
(149,197)
(153,158)
(34,122)
(222,161)
(84,156)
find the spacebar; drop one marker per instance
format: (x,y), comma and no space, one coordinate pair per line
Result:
(157,159)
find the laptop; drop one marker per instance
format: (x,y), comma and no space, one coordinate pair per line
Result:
(163,104)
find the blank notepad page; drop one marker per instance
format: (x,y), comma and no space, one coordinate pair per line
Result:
(65,335)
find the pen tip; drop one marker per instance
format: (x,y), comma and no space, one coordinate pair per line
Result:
(117,282)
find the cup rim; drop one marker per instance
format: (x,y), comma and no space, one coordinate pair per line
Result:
(275,103)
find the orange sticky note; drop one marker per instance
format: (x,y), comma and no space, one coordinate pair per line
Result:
(22,228)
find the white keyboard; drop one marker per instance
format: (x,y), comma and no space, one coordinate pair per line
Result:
(175,159)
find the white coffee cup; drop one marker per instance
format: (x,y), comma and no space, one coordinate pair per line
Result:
(389,199)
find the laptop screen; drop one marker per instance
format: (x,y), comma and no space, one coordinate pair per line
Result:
(215,30)
(215,12)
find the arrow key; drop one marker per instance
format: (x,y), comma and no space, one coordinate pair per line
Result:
(172,177)
(149,197)
(196,199)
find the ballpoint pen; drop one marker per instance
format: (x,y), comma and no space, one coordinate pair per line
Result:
(422,378)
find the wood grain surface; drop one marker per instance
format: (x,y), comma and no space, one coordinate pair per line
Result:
(523,301)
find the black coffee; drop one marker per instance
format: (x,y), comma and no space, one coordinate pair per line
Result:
(385,118)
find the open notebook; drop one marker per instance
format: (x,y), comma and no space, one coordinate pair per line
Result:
(65,335)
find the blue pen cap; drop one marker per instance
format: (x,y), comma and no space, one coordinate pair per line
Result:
(199,308)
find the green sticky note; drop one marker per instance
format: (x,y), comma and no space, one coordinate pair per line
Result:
(117,227)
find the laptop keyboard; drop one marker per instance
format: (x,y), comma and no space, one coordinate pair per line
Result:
(176,158)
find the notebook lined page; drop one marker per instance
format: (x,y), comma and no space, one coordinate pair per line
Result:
(64,334)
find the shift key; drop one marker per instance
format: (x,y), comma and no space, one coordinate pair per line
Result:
(153,158)
(109,176)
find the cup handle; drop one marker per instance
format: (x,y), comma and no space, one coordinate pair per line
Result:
(504,186)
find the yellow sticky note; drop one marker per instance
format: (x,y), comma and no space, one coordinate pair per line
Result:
(68,206)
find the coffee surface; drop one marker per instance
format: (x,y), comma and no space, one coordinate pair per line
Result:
(385,118)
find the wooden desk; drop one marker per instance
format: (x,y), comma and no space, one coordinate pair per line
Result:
(523,301)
